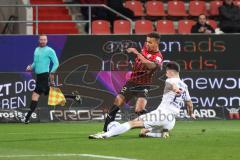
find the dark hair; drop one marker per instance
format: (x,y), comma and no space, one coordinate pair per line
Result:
(40,35)
(173,65)
(154,35)
(202,15)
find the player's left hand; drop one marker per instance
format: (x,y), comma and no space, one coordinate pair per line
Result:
(133,50)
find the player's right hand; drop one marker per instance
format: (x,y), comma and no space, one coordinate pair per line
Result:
(52,82)
(29,68)
(178,91)
(202,29)
(132,50)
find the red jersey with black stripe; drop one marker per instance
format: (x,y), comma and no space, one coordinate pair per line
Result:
(141,74)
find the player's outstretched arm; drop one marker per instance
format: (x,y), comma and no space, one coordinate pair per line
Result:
(146,62)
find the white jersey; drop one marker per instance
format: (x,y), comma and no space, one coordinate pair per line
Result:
(170,98)
(164,115)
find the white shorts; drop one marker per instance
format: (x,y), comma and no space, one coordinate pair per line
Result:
(160,118)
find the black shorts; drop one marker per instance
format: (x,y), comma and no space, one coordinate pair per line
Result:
(42,84)
(130,90)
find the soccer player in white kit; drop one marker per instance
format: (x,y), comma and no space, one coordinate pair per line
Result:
(160,121)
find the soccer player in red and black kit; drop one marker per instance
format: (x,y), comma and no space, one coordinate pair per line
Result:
(146,63)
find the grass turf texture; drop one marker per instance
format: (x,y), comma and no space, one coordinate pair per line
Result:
(192,140)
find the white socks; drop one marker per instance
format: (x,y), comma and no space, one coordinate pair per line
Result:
(157,135)
(126,127)
(118,130)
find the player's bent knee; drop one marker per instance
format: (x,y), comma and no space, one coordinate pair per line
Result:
(140,104)
(119,100)
(35,96)
(139,109)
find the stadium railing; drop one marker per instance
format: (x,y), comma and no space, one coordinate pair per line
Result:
(37,21)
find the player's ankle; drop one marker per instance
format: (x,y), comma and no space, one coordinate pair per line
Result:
(142,135)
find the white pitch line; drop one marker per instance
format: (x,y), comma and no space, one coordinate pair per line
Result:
(66,155)
(106,157)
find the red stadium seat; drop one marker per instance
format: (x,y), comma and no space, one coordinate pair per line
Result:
(143,27)
(237,3)
(92,2)
(53,13)
(197,7)
(121,27)
(185,26)
(155,8)
(165,26)
(46,2)
(136,7)
(176,8)
(212,23)
(101,27)
(214,5)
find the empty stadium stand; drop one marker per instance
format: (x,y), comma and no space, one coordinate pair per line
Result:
(168,17)
(53,13)
(165,17)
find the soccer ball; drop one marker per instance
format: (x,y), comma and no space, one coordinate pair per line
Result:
(112,125)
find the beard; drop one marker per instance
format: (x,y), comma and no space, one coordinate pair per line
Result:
(42,44)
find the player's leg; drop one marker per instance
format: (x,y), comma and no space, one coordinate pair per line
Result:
(155,132)
(33,106)
(141,93)
(157,123)
(140,122)
(124,96)
(42,87)
(118,102)
(137,123)
(150,124)
(168,126)
(141,105)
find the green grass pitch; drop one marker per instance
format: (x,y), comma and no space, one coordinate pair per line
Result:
(188,141)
